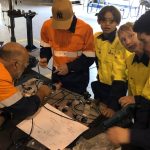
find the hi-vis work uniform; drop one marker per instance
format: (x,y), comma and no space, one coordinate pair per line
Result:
(111,56)
(139,87)
(138,76)
(11,100)
(8,93)
(74,47)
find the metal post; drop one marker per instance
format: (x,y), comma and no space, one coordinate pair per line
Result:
(12,21)
(29,16)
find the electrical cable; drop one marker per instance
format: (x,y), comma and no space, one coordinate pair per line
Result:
(96,109)
(60,99)
(52,96)
(75,109)
(49,68)
(38,70)
(58,114)
(92,67)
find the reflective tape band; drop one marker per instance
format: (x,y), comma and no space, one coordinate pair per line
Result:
(89,54)
(66,53)
(44,44)
(11,100)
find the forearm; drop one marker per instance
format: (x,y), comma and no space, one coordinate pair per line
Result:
(25,107)
(80,64)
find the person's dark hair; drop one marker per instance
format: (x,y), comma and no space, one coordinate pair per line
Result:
(115,12)
(142,25)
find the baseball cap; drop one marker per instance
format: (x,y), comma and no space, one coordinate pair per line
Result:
(62,14)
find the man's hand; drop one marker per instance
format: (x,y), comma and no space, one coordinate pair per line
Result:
(107,112)
(126,100)
(43,62)
(118,135)
(43,92)
(62,70)
(58,85)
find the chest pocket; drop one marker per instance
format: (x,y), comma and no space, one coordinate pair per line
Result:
(105,51)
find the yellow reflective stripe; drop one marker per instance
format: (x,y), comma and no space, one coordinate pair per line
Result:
(11,100)
(89,54)
(66,53)
(44,44)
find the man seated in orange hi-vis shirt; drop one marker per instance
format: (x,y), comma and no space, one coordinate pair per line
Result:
(70,42)
(13,105)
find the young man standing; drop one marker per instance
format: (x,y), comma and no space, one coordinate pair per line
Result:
(70,42)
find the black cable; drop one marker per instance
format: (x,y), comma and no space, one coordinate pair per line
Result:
(49,68)
(97,109)
(52,96)
(92,67)
(60,99)
(74,94)
(58,114)
(75,108)
(31,128)
(38,70)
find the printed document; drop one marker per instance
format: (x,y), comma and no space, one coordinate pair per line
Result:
(53,131)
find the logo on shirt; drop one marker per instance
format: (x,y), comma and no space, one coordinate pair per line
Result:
(59,15)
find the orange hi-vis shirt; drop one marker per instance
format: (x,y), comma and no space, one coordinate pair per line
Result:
(9,94)
(67,46)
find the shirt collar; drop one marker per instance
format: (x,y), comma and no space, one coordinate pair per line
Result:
(144,59)
(73,24)
(110,37)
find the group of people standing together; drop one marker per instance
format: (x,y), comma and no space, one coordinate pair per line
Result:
(122,59)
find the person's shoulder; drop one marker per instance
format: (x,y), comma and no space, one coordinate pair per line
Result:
(47,22)
(5,75)
(132,55)
(83,23)
(130,58)
(96,34)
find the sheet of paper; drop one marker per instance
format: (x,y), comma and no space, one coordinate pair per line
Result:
(52,130)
